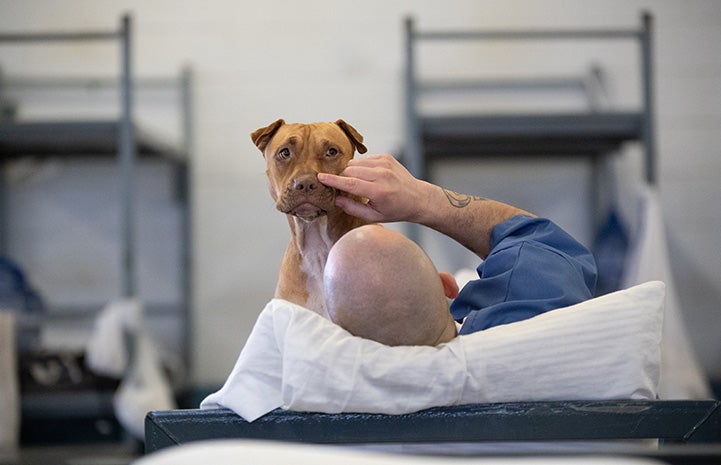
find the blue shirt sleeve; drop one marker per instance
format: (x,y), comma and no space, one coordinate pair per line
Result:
(534,266)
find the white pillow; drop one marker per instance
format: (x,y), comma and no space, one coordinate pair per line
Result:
(604,348)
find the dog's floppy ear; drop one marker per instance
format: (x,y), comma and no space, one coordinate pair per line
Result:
(353,135)
(262,136)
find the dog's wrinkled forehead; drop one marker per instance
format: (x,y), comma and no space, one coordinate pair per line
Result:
(319,134)
(316,136)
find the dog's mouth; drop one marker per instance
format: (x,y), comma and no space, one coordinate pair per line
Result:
(307,211)
(307,205)
(307,208)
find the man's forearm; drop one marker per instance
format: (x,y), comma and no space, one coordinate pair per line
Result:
(468,219)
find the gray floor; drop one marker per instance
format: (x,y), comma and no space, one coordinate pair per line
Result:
(75,454)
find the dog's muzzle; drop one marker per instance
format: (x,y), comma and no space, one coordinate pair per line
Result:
(306,198)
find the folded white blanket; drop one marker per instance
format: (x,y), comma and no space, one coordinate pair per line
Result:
(604,348)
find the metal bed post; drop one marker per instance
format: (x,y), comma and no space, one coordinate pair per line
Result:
(188,141)
(414,159)
(646,40)
(3,183)
(413,156)
(126,161)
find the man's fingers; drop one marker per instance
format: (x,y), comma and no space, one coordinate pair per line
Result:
(373,160)
(365,173)
(350,185)
(335,181)
(358,209)
(330,180)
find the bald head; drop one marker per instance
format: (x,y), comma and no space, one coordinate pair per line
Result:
(380,285)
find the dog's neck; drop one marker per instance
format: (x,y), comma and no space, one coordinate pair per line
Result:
(312,242)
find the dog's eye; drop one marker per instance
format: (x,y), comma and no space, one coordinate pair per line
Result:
(332,152)
(284,153)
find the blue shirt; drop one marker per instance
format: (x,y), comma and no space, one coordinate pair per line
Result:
(534,266)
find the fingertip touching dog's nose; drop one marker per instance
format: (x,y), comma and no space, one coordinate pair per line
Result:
(305,183)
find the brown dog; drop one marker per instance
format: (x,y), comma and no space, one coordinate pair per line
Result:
(295,154)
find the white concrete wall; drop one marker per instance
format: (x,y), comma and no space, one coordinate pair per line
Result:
(322,60)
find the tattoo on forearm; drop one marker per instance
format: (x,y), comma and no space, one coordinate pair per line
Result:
(460,200)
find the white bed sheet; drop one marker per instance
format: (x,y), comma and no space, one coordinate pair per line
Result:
(604,348)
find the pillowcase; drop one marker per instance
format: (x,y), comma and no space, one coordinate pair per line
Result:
(604,348)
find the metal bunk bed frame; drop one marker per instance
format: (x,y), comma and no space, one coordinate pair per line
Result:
(106,137)
(688,431)
(593,134)
(127,151)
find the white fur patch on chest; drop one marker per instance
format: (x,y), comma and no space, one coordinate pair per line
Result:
(314,252)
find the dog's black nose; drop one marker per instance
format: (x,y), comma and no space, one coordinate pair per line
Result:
(305,183)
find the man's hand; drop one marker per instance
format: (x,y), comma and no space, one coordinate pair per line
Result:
(392,193)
